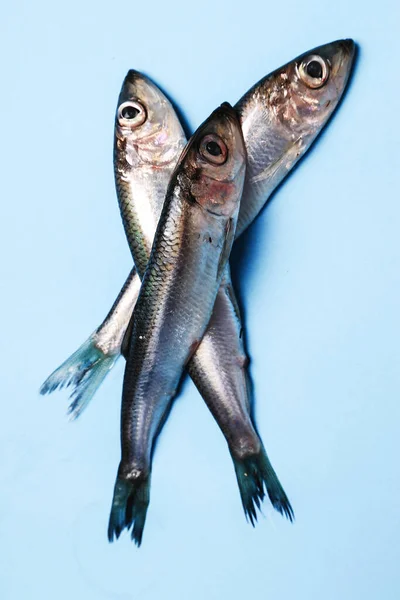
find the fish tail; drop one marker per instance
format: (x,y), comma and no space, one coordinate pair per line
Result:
(255,474)
(129,506)
(84,372)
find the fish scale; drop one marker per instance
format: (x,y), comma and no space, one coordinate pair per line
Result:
(280,118)
(139,243)
(175,303)
(268,163)
(236,390)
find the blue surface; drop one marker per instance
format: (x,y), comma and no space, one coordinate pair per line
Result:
(320,285)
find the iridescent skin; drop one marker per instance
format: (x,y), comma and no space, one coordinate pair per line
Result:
(280,118)
(191,247)
(143,151)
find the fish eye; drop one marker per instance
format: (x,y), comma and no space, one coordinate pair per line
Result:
(314,71)
(131,114)
(213,149)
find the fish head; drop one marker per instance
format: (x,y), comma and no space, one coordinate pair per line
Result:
(214,163)
(303,94)
(147,129)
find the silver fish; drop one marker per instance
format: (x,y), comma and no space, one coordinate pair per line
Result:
(191,247)
(145,140)
(280,116)
(148,138)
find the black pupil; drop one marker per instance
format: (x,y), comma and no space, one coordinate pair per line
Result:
(314,69)
(129,112)
(213,148)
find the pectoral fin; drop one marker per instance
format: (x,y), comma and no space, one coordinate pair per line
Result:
(227,246)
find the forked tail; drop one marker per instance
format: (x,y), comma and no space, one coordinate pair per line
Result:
(255,475)
(129,506)
(84,371)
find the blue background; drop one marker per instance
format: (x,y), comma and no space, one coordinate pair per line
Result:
(319,278)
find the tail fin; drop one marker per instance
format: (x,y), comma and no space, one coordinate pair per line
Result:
(84,371)
(129,507)
(253,474)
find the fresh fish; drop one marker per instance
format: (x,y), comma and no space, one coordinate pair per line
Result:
(143,158)
(280,116)
(226,392)
(191,247)
(138,155)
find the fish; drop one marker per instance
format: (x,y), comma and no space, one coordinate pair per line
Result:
(277,134)
(191,247)
(224,385)
(141,149)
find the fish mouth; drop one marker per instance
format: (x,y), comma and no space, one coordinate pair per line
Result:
(228,112)
(137,84)
(132,77)
(349,50)
(349,47)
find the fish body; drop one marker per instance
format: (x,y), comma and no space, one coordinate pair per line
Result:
(281,116)
(225,388)
(276,135)
(190,250)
